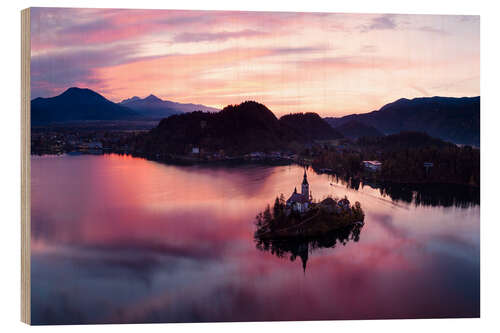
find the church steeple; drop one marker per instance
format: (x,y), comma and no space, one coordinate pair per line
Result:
(305,185)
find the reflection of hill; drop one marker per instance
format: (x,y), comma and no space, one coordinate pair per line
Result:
(447,195)
(302,247)
(433,195)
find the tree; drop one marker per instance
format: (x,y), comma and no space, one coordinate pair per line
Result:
(267,215)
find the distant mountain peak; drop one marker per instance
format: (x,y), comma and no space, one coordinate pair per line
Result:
(152,98)
(71,89)
(131,99)
(154,107)
(80,91)
(77,104)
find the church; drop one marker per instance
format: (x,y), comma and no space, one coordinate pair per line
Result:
(300,201)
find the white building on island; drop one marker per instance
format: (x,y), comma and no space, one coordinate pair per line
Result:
(300,201)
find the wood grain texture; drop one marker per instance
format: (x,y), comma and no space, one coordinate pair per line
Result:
(25,167)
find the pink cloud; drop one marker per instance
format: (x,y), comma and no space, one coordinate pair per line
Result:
(189,37)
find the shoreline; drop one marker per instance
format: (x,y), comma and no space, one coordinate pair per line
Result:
(189,160)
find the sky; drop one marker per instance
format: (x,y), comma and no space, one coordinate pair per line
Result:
(330,63)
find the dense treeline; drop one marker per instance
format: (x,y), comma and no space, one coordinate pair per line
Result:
(309,127)
(403,156)
(343,163)
(237,129)
(450,165)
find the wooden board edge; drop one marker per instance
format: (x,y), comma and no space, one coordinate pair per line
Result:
(25,167)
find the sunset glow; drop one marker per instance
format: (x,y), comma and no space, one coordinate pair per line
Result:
(333,64)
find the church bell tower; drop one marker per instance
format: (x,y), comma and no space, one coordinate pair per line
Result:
(305,186)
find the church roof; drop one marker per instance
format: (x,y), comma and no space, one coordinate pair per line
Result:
(297,197)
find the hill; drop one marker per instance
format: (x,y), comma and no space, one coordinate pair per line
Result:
(237,129)
(354,129)
(156,108)
(247,127)
(76,104)
(402,141)
(309,126)
(448,118)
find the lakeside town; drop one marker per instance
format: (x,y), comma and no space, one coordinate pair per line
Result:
(59,142)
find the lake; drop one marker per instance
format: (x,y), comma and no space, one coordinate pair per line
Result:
(119,239)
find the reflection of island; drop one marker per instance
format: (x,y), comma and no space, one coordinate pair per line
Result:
(300,224)
(301,247)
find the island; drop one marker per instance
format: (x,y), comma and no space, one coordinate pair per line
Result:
(300,225)
(302,217)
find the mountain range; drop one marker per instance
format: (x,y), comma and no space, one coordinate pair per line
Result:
(77,104)
(452,119)
(156,108)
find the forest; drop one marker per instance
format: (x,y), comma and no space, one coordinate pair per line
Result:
(407,157)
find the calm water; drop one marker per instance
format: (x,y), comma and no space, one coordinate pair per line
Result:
(122,239)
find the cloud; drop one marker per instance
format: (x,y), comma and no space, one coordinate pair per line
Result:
(383,22)
(351,63)
(189,37)
(368,49)
(297,50)
(54,72)
(65,27)
(431,29)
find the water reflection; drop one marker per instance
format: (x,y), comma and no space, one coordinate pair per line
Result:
(446,195)
(117,239)
(302,247)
